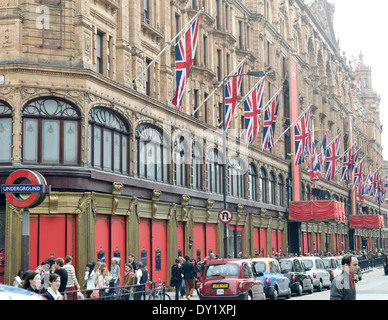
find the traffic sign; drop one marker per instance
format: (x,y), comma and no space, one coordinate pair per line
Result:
(225,216)
(13,188)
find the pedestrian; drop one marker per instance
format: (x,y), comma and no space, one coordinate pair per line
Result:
(103,282)
(176,277)
(343,286)
(32,282)
(44,277)
(138,276)
(115,271)
(131,260)
(183,286)
(52,292)
(72,282)
(90,278)
(58,269)
(129,279)
(189,274)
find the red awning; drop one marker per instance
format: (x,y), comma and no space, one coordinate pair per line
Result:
(324,210)
(366,221)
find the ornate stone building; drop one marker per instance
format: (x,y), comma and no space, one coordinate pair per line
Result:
(131,174)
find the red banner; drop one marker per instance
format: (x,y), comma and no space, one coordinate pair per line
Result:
(366,221)
(317,210)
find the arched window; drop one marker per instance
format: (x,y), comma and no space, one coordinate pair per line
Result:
(51,132)
(252,178)
(271,188)
(263,185)
(237,177)
(308,193)
(5,132)
(196,162)
(280,191)
(108,141)
(180,161)
(152,153)
(214,177)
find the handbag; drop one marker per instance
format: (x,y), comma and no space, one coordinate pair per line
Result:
(95,294)
(172,282)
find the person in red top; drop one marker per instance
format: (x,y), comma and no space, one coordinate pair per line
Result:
(343,287)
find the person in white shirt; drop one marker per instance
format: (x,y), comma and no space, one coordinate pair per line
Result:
(90,278)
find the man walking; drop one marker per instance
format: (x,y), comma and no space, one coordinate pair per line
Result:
(189,273)
(343,287)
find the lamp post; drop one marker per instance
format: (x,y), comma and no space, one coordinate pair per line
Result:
(225,177)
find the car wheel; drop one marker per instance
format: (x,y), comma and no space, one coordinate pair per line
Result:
(275,295)
(319,288)
(289,294)
(299,293)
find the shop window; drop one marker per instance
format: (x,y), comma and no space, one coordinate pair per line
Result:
(5,133)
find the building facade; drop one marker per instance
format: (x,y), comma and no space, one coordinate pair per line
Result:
(131,174)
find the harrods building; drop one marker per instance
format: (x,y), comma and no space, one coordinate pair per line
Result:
(131,174)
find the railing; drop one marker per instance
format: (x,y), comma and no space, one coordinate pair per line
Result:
(151,290)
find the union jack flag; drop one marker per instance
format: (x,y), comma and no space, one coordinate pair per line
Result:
(232,91)
(358,174)
(322,155)
(332,156)
(356,62)
(314,167)
(354,158)
(252,111)
(301,130)
(184,58)
(270,117)
(374,186)
(364,186)
(346,166)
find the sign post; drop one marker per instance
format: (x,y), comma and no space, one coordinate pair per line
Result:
(16,193)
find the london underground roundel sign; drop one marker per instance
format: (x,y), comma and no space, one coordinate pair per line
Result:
(14,189)
(225,216)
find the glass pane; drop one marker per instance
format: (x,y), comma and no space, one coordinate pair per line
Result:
(124,154)
(150,161)
(159,162)
(5,139)
(116,152)
(107,149)
(90,144)
(142,160)
(50,141)
(30,140)
(70,142)
(97,147)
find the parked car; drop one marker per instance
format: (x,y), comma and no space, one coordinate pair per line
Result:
(275,283)
(316,269)
(232,279)
(295,270)
(14,293)
(332,267)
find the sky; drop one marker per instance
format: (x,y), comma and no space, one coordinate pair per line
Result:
(360,26)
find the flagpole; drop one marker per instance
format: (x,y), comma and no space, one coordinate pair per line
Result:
(168,45)
(219,85)
(327,147)
(284,132)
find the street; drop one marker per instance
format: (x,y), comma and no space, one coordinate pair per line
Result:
(373,286)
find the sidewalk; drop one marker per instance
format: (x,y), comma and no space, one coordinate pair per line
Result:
(172,295)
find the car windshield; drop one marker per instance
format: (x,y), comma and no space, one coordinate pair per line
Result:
(222,270)
(286,265)
(308,263)
(327,263)
(260,266)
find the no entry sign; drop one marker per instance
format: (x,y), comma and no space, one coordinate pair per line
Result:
(13,188)
(225,216)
